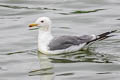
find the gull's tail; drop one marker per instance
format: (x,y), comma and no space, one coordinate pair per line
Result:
(103,36)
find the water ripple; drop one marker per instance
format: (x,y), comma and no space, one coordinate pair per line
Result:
(21,7)
(81,11)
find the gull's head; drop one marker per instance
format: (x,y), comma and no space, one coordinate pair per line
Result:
(42,23)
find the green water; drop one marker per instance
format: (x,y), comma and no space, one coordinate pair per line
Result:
(20,60)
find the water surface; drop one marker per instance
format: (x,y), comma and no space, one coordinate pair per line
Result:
(20,60)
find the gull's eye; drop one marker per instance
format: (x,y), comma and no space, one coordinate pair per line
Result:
(42,21)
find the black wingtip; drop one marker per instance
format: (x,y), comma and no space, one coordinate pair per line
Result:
(107,33)
(103,36)
(113,31)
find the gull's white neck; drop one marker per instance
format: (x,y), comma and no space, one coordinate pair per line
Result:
(44,37)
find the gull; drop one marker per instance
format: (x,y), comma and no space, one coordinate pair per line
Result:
(49,44)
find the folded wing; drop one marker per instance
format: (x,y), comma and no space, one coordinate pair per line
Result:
(64,42)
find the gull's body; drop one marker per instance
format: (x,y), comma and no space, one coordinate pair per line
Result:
(49,44)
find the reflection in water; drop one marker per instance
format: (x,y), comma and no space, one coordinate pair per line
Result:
(46,63)
(82,56)
(46,68)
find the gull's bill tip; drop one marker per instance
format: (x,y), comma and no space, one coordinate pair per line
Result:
(32,25)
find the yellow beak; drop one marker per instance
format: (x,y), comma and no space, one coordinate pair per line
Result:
(32,25)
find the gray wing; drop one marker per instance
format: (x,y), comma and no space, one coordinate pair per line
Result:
(64,42)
